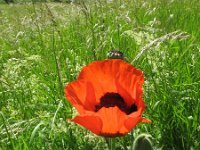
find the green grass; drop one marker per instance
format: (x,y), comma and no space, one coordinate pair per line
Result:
(44,46)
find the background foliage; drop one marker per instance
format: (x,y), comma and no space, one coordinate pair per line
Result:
(43,46)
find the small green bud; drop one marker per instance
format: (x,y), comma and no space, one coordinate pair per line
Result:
(143,142)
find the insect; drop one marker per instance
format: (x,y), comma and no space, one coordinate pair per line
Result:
(115,54)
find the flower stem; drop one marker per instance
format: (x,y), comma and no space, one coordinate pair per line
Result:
(132,134)
(110,143)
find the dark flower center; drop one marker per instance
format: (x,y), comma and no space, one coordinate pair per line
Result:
(114,99)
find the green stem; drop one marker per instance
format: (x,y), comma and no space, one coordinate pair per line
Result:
(132,134)
(110,142)
(7,130)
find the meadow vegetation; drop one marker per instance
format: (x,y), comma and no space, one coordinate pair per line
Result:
(43,46)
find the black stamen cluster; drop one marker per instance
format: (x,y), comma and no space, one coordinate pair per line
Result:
(114,99)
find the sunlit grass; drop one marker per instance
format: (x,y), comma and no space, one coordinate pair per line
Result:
(44,46)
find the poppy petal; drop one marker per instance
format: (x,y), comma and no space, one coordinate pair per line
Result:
(124,93)
(145,120)
(90,99)
(81,93)
(113,121)
(92,123)
(135,118)
(75,92)
(102,76)
(130,81)
(132,122)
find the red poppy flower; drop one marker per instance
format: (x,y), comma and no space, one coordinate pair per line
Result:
(108,97)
